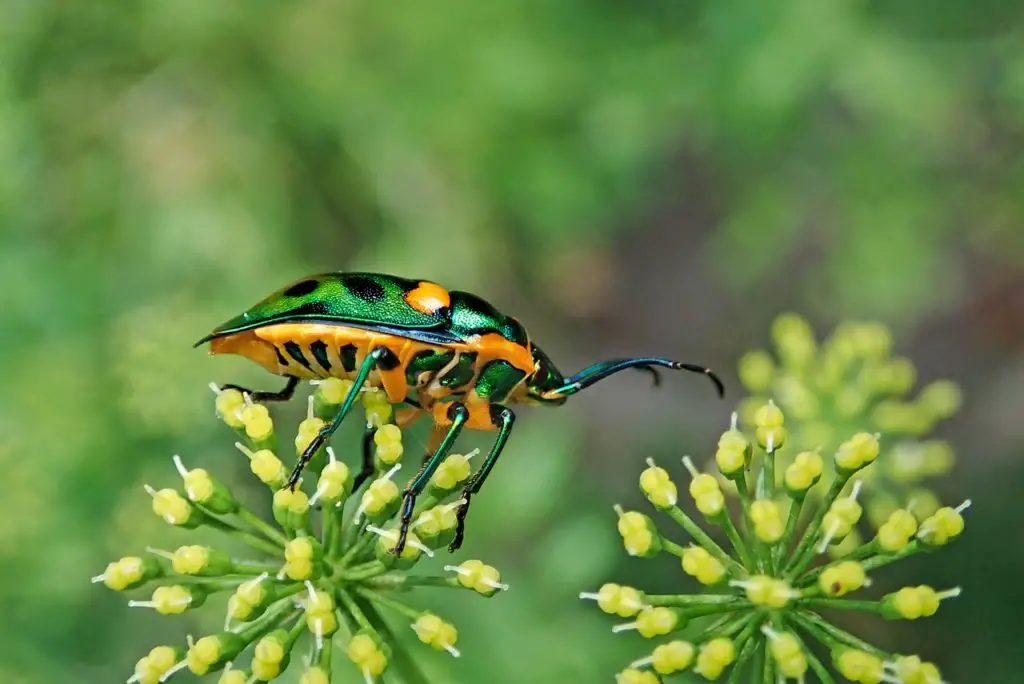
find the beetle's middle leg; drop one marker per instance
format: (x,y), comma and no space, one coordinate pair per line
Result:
(368,364)
(458,415)
(403,418)
(281,395)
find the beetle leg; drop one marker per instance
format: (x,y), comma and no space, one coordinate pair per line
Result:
(503,418)
(403,418)
(325,433)
(458,414)
(281,395)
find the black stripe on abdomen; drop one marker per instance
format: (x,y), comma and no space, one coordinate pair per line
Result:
(319,350)
(295,351)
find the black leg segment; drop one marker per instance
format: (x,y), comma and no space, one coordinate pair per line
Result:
(367,468)
(260,397)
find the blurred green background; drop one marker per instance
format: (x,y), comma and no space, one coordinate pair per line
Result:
(626,178)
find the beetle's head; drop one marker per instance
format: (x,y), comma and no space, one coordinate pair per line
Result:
(543,384)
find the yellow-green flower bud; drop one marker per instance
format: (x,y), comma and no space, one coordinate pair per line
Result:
(707,494)
(767,591)
(385,548)
(307,432)
(675,656)
(367,654)
(436,633)
(943,526)
(302,557)
(175,509)
(858,666)
(639,535)
(335,481)
(453,471)
(203,489)
(912,670)
(291,509)
(271,655)
(657,621)
(213,652)
(201,561)
(634,675)
(856,452)
(436,526)
(767,518)
(756,371)
(229,676)
(701,565)
(378,410)
(911,603)
(941,398)
(174,599)
(714,656)
(787,653)
(618,600)
(381,499)
(155,664)
(258,425)
(330,394)
(229,405)
(658,487)
(388,441)
(842,578)
(265,465)
(481,578)
(130,572)
(251,599)
(897,531)
(769,416)
(803,473)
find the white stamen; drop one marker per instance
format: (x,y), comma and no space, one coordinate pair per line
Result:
(642,662)
(160,552)
(734,420)
(588,596)
(453,505)
(149,490)
(452,650)
(179,465)
(318,632)
(252,680)
(471,454)
(769,445)
(367,679)
(248,399)
(311,590)
(619,510)
(688,463)
(174,670)
(856,489)
(99,578)
(281,573)
(245,450)
(213,387)
(310,415)
(949,593)
(330,455)
(318,493)
(963,507)
(362,504)
(625,627)
(651,463)
(457,569)
(769,632)
(487,581)
(141,604)
(739,584)
(827,539)
(131,680)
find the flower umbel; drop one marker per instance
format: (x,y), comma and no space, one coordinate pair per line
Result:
(326,567)
(848,383)
(763,595)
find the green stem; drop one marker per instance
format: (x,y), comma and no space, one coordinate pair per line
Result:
(860,552)
(267,621)
(743,492)
(387,602)
(357,548)
(816,665)
(249,538)
(747,651)
(365,571)
(702,538)
(909,550)
(830,635)
(787,537)
(265,528)
(694,600)
(842,604)
(768,673)
(736,539)
(399,581)
(243,567)
(806,546)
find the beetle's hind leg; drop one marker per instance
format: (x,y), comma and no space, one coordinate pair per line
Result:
(503,419)
(281,395)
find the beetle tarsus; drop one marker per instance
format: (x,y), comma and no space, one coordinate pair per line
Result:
(259,396)
(460,521)
(367,467)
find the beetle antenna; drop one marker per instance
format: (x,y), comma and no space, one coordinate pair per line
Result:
(601,370)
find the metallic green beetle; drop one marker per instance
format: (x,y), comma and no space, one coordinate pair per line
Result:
(449,355)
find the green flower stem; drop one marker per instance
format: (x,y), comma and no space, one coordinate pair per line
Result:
(768,672)
(702,537)
(862,551)
(909,550)
(736,539)
(365,571)
(795,507)
(391,603)
(406,667)
(695,600)
(264,528)
(824,676)
(296,631)
(831,635)
(746,654)
(247,567)
(357,547)
(351,533)
(398,581)
(673,548)
(246,536)
(743,492)
(355,611)
(267,621)
(842,604)
(730,624)
(805,550)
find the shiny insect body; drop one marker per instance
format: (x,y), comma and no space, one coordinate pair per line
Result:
(449,355)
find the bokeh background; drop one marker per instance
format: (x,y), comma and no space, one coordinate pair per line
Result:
(627,178)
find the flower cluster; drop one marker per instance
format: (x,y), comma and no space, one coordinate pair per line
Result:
(764,599)
(326,566)
(848,383)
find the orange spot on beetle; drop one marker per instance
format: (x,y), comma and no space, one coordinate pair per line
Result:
(428,298)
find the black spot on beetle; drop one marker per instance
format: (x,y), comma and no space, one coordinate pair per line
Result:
(319,349)
(295,352)
(308,309)
(388,359)
(348,357)
(302,288)
(367,289)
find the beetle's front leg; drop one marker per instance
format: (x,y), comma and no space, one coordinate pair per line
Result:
(503,419)
(259,397)
(458,414)
(369,363)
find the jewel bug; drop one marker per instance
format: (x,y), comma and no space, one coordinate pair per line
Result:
(449,355)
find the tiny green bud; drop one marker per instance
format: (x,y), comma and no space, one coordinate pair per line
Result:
(201,561)
(203,489)
(213,652)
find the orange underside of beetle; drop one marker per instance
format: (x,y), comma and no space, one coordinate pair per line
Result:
(265,346)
